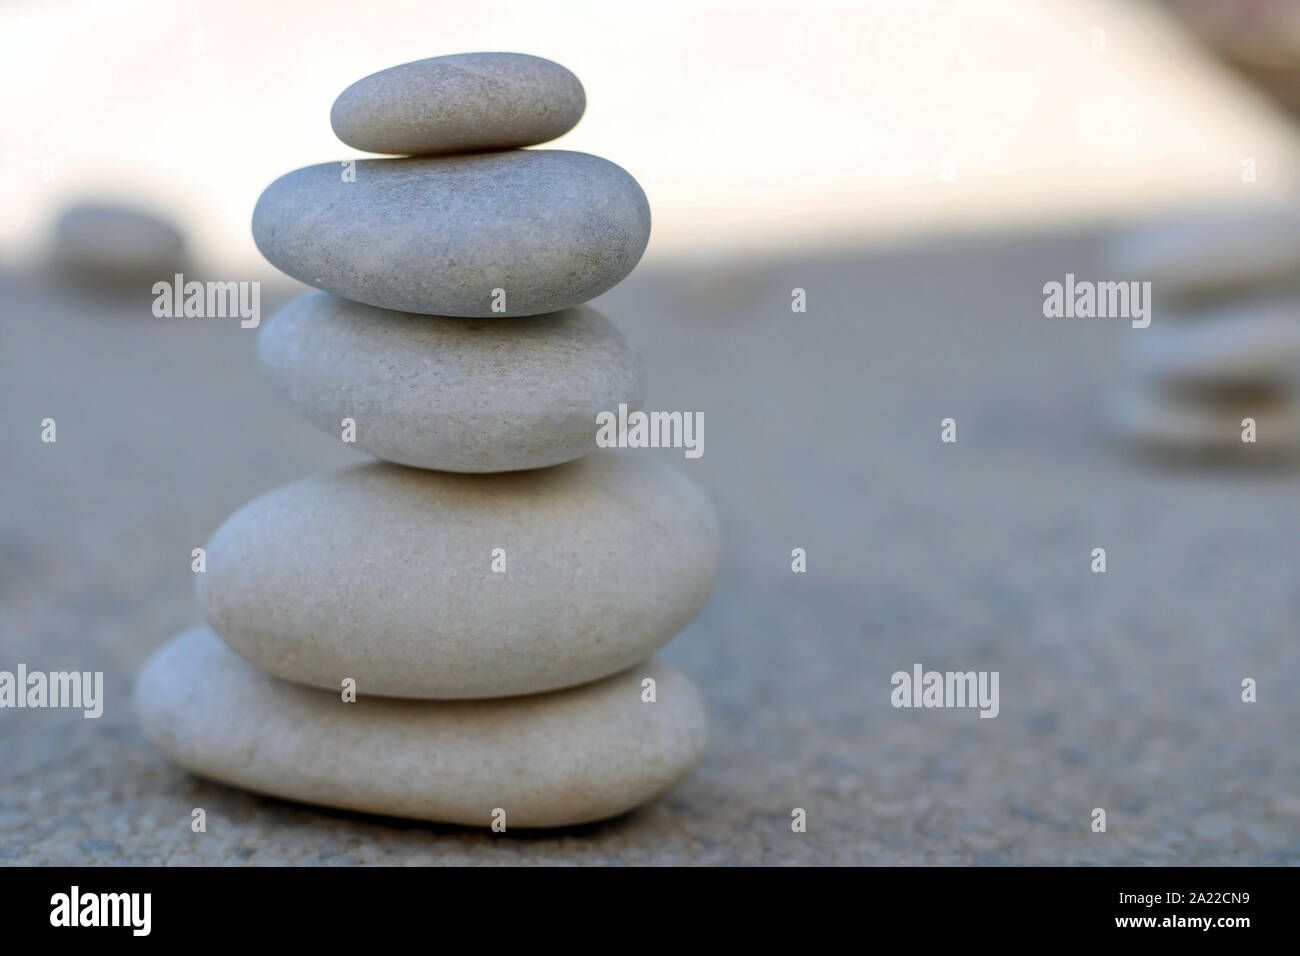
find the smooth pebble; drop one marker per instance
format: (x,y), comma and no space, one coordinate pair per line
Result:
(459,103)
(547,760)
(520,232)
(385,574)
(467,395)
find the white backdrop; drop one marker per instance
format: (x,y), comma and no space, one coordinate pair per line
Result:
(748,123)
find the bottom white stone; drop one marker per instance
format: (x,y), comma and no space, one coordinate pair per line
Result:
(543,760)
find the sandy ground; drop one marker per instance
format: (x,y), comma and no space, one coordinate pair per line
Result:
(1119,691)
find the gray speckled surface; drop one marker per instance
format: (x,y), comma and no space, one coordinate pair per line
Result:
(1118,690)
(468,395)
(551,227)
(465,101)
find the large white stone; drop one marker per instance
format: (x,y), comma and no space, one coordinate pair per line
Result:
(547,760)
(384,574)
(470,395)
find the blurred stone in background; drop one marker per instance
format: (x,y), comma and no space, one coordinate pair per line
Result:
(1224,344)
(1223,347)
(115,246)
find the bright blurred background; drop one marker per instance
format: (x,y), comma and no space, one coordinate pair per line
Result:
(749,122)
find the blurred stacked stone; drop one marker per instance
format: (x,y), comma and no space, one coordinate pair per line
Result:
(451,641)
(1223,345)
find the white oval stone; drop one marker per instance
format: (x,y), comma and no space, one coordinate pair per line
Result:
(468,395)
(1250,343)
(547,760)
(460,103)
(490,234)
(384,574)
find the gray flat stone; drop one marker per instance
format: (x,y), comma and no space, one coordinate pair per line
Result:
(552,229)
(460,103)
(469,395)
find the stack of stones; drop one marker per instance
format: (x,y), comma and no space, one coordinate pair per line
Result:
(460,632)
(1223,345)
